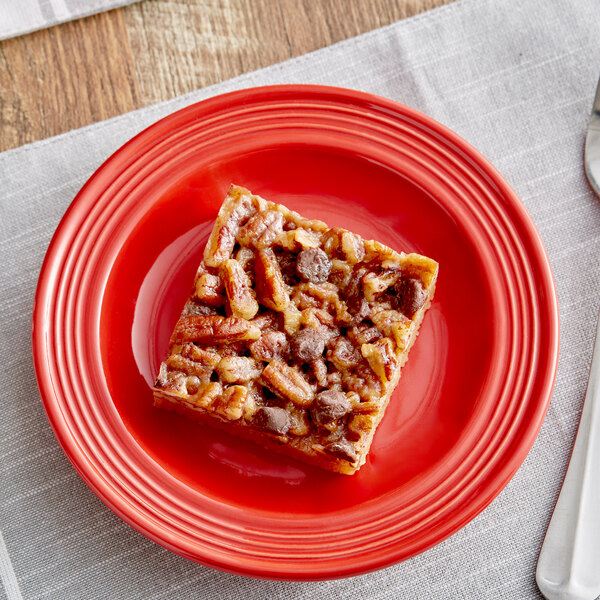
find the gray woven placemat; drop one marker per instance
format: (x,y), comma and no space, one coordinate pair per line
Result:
(516,79)
(18,17)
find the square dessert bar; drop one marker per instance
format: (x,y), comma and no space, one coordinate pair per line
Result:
(295,333)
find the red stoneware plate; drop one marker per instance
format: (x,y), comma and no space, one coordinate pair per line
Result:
(473,394)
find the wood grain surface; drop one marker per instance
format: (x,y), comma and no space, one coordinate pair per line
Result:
(85,71)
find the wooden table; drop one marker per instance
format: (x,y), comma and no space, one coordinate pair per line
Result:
(91,69)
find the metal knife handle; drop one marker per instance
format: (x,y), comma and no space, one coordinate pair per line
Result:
(592,145)
(569,563)
(596,106)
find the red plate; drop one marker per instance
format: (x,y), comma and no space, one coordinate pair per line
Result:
(470,402)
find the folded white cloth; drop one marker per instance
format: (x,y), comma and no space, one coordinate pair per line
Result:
(23,16)
(516,79)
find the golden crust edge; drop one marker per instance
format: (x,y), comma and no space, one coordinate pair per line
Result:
(415,328)
(174,403)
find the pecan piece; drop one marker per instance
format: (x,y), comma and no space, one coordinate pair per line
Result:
(238,369)
(394,325)
(241,296)
(193,308)
(332,243)
(317,318)
(353,247)
(303,300)
(381,358)
(245,256)
(193,384)
(299,423)
(294,220)
(268,321)
(176,362)
(343,354)
(206,395)
(341,272)
(365,408)
(323,295)
(292,318)
(366,384)
(363,334)
(269,281)
(200,355)
(235,210)
(232,349)
(334,379)
(269,346)
(380,253)
(209,289)
(287,383)
(297,239)
(173,381)
(322,321)
(232,403)
(213,329)
(319,369)
(361,425)
(374,285)
(262,229)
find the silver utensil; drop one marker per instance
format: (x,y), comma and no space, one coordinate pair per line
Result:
(569,564)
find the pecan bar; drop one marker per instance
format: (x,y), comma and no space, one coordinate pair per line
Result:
(295,333)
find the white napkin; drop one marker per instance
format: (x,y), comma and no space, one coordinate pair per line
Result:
(23,16)
(516,79)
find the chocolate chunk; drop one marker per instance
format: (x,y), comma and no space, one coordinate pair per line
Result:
(358,307)
(329,406)
(272,419)
(287,264)
(313,265)
(307,345)
(342,449)
(410,296)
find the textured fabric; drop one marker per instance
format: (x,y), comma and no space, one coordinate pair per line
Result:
(23,16)
(516,79)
